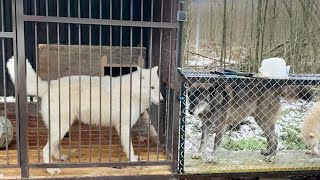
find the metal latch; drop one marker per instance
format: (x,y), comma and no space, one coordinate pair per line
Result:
(182,16)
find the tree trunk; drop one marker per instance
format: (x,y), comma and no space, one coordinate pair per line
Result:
(259,11)
(224,29)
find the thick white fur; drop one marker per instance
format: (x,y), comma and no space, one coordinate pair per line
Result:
(310,130)
(84,112)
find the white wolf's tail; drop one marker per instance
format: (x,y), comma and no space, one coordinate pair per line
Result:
(31,79)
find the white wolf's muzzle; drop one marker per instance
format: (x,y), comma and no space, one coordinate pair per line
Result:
(157,99)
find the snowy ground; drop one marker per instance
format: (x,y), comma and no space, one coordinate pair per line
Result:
(250,136)
(204,62)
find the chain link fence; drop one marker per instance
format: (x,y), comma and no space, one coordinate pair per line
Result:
(232,123)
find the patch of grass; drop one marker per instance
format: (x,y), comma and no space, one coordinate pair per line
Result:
(243,144)
(285,112)
(292,141)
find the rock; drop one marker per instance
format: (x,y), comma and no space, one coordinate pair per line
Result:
(6,131)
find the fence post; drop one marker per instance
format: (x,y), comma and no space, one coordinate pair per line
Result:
(181,18)
(182,128)
(21,96)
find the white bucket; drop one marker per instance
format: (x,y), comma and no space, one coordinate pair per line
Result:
(274,68)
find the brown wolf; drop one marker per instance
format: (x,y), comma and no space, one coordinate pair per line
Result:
(219,105)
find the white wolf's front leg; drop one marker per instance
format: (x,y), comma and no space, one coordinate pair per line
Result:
(127,143)
(54,141)
(47,156)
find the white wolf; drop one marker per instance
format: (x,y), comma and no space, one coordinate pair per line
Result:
(310,130)
(149,83)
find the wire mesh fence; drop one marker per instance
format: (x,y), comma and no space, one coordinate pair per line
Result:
(242,124)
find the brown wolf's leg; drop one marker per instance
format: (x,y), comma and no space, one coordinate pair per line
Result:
(267,124)
(205,131)
(266,116)
(219,130)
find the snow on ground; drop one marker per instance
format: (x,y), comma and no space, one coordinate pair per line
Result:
(290,121)
(204,61)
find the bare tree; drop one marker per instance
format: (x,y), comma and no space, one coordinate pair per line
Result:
(258,31)
(224,29)
(231,30)
(263,29)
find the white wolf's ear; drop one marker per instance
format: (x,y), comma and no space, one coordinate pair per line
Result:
(155,68)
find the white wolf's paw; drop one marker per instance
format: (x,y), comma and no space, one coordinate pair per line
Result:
(308,152)
(264,152)
(270,158)
(313,153)
(134,158)
(64,157)
(54,171)
(196,155)
(211,160)
(139,167)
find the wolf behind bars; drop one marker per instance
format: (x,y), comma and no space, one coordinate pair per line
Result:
(221,104)
(87,110)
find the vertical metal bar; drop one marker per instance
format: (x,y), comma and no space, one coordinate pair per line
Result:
(37,81)
(15,48)
(69,66)
(4,81)
(169,136)
(21,99)
(160,64)
(48,71)
(179,42)
(170,66)
(79,52)
(120,108)
(2,17)
(90,91)
(110,131)
(130,117)
(101,75)
(5,95)
(149,111)
(140,79)
(17,112)
(150,65)
(59,75)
